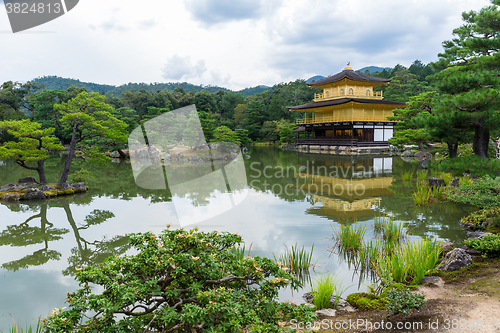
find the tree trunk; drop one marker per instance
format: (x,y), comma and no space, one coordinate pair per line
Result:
(481,141)
(67,164)
(452,149)
(41,172)
(122,154)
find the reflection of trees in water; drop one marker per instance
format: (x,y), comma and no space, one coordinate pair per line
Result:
(85,253)
(24,234)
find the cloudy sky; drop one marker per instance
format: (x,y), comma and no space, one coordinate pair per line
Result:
(230,43)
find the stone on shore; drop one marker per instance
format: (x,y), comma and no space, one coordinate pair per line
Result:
(455,260)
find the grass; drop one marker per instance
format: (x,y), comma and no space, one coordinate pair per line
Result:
(323,289)
(408,263)
(349,238)
(438,191)
(29,329)
(408,175)
(422,196)
(422,175)
(447,177)
(298,260)
(391,231)
(240,251)
(465,181)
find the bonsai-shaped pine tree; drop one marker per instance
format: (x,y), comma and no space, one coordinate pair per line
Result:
(89,118)
(31,146)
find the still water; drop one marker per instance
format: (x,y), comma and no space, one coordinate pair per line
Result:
(291,198)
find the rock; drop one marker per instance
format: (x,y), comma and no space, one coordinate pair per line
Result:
(34,194)
(468,226)
(471,251)
(65,186)
(194,158)
(27,180)
(114,154)
(80,187)
(420,155)
(167,157)
(455,182)
(11,187)
(342,303)
(45,188)
(183,159)
(476,234)
(407,153)
(436,182)
(11,197)
(245,150)
(454,260)
(325,312)
(435,281)
(447,246)
(207,157)
(248,157)
(438,262)
(310,305)
(217,157)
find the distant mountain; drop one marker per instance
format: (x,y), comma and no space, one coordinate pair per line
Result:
(315,78)
(59,83)
(373,69)
(254,90)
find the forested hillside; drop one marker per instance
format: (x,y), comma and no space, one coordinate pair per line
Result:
(254,114)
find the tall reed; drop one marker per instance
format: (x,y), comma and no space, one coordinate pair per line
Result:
(447,177)
(465,181)
(438,191)
(324,288)
(423,194)
(349,238)
(422,175)
(298,259)
(407,175)
(29,329)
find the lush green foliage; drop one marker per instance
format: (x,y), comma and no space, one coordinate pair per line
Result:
(297,259)
(422,195)
(323,289)
(473,165)
(349,238)
(484,193)
(490,216)
(404,301)
(31,145)
(81,175)
(366,301)
(489,245)
(224,134)
(180,279)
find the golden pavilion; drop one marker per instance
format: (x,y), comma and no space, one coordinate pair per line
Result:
(347,113)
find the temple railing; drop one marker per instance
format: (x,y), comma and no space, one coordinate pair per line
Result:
(338,119)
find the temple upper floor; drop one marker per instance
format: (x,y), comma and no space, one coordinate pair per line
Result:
(348,83)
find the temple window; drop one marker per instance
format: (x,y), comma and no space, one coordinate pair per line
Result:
(342,92)
(327,93)
(351,91)
(368,92)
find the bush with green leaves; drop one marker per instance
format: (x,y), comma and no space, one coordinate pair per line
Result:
(489,216)
(404,301)
(474,165)
(484,193)
(180,281)
(80,176)
(489,245)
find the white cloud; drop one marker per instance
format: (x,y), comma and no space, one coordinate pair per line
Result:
(256,42)
(181,68)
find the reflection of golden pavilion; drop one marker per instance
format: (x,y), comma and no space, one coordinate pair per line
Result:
(345,199)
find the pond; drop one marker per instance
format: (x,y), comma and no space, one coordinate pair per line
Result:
(291,198)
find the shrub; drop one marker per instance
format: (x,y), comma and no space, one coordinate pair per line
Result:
(180,280)
(491,216)
(81,176)
(365,301)
(484,193)
(489,245)
(323,289)
(403,301)
(474,165)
